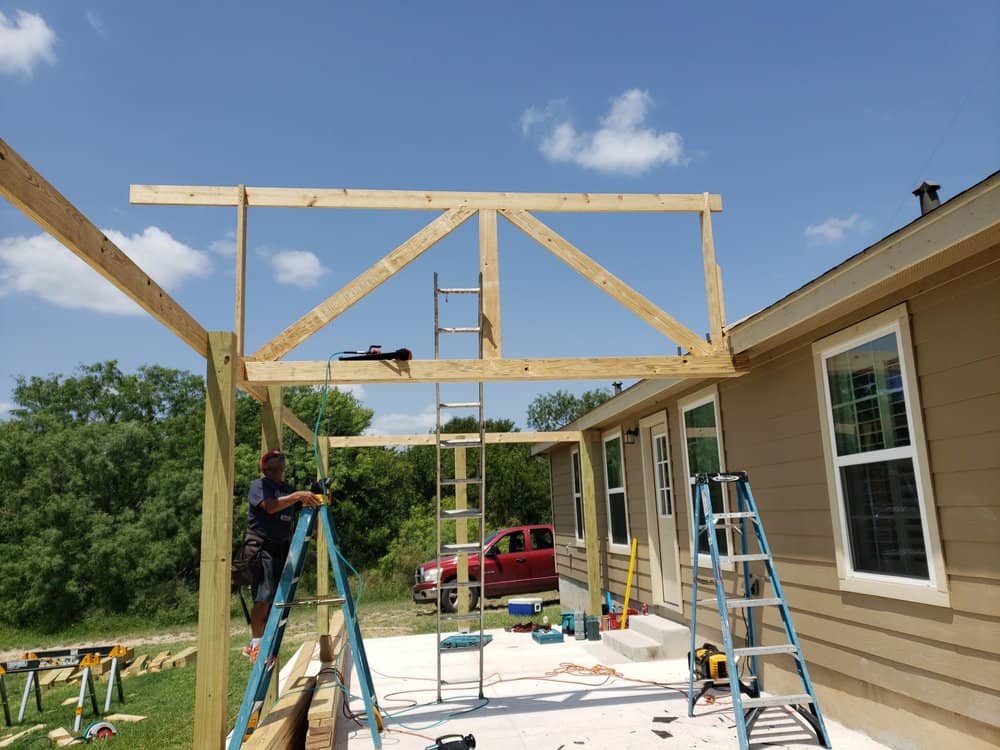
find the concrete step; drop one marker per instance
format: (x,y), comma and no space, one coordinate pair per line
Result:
(632,644)
(674,639)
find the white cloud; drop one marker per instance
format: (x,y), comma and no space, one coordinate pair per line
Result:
(357,390)
(96,23)
(833,229)
(41,267)
(5,407)
(224,247)
(620,146)
(25,42)
(297,268)
(403,424)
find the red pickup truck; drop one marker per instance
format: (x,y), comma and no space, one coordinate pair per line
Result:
(519,560)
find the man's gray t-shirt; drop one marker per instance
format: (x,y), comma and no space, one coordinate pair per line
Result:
(276,527)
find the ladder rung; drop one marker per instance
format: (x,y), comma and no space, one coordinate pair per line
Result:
(454,549)
(453,618)
(460,442)
(459,329)
(465,290)
(466,480)
(453,585)
(742,558)
(451,515)
(740,514)
(786,648)
(313,602)
(777,700)
(737,603)
(461,405)
(746,679)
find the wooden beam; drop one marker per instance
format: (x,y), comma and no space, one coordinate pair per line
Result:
(322,551)
(713,289)
(371,279)
(606,281)
(241,269)
(214,595)
(28,191)
(492,438)
(491,370)
(199,195)
(588,496)
(489,284)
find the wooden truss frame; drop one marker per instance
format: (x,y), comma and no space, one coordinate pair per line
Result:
(261,374)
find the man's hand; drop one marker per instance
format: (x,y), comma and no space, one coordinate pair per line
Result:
(308,499)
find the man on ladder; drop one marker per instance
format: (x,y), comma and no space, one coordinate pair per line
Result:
(272,506)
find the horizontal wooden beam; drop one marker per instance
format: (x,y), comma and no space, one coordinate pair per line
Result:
(492,438)
(28,191)
(491,370)
(199,195)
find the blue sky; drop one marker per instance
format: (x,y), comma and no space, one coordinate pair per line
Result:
(814,122)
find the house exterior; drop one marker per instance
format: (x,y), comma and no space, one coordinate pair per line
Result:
(869,424)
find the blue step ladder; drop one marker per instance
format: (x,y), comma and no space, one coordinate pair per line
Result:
(746,709)
(267,657)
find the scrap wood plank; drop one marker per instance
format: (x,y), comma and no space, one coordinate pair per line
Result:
(61,737)
(284,727)
(124,717)
(63,675)
(48,677)
(136,666)
(157,663)
(10,739)
(299,664)
(186,658)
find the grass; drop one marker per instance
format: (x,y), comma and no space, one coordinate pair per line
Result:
(167,698)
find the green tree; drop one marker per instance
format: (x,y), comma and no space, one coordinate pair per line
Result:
(553,411)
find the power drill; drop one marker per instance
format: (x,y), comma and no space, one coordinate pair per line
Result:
(453,742)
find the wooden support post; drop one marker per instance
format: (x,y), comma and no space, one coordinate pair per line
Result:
(270,427)
(214,596)
(713,289)
(462,529)
(322,553)
(489,284)
(241,270)
(591,538)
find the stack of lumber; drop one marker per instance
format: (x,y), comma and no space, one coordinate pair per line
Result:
(137,666)
(284,725)
(325,707)
(160,662)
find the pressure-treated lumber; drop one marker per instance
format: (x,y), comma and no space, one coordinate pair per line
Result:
(202,195)
(369,280)
(36,198)
(156,663)
(489,286)
(212,677)
(492,438)
(10,739)
(713,289)
(489,370)
(284,726)
(606,281)
(325,706)
(588,496)
(241,268)
(186,658)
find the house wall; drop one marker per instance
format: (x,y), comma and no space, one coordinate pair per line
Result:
(933,670)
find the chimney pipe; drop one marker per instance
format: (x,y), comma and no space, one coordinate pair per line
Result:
(617,385)
(927,192)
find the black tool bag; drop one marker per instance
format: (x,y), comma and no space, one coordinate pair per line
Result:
(247,568)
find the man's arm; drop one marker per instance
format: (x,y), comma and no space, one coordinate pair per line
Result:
(274,505)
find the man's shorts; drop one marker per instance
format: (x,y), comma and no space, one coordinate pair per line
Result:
(272,561)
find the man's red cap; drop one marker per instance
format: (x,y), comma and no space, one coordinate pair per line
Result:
(268,456)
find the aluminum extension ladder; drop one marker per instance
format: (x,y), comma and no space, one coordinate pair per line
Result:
(477,511)
(284,599)
(746,710)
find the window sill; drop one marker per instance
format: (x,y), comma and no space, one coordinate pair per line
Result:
(619,549)
(917,592)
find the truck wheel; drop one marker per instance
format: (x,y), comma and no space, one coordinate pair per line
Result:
(449,599)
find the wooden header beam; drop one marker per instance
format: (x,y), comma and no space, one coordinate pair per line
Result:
(492,438)
(38,200)
(492,370)
(198,195)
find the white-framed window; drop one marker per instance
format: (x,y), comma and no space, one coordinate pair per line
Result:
(577,481)
(661,473)
(619,537)
(703,453)
(880,490)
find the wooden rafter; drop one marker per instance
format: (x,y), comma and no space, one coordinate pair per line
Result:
(198,195)
(487,370)
(713,284)
(606,281)
(492,438)
(241,270)
(26,189)
(489,297)
(352,293)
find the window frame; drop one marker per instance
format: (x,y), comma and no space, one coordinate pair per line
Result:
(665,461)
(579,520)
(606,438)
(684,405)
(933,590)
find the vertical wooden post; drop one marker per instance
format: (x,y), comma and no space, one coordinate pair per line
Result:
(212,677)
(713,290)
(462,529)
(322,554)
(241,269)
(591,540)
(270,428)
(489,298)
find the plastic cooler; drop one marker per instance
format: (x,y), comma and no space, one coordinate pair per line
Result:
(524,606)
